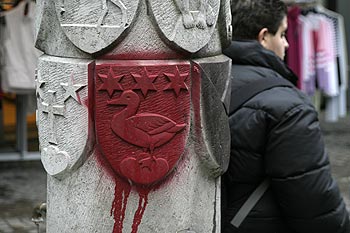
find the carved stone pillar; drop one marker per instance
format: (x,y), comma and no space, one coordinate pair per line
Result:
(131,113)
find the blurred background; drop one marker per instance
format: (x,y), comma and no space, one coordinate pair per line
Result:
(22,177)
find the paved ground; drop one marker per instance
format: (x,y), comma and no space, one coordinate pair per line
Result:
(23,185)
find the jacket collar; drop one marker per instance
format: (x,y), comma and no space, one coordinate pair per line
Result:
(251,52)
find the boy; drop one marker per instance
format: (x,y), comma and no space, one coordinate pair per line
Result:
(275,136)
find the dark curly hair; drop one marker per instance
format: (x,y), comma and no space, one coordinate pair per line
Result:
(250,16)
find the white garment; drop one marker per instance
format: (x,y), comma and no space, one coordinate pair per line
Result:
(318,59)
(307,56)
(326,60)
(323,35)
(339,109)
(19,57)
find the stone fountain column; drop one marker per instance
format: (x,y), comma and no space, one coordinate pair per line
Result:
(131,113)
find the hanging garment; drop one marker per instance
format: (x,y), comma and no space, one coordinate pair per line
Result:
(318,56)
(307,55)
(318,47)
(294,40)
(19,57)
(342,57)
(326,62)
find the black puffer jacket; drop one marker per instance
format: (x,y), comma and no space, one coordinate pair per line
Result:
(276,134)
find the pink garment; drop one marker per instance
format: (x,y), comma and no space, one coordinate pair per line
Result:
(307,55)
(326,61)
(318,56)
(294,40)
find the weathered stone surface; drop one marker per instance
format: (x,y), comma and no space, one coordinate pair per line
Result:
(133,145)
(189,193)
(222,35)
(50,37)
(94,25)
(56,162)
(83,202)
(186,24)
(65,127)
(225,26)
(211,129)
(142,39)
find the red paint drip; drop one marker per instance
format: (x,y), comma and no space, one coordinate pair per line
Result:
(143,194)
(121,194)
(107,141)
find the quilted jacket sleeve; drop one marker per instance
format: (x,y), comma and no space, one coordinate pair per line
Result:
(298,165)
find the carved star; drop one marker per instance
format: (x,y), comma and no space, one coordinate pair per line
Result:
(177,81)
(144,81)
(72,89)
(110,82)
(39,83)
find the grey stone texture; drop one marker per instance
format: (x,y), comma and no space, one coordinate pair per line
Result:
(22,187)
(82,194)
(150,35)
(63,114)
(211,143)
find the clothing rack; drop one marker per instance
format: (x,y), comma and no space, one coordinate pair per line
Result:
(21,152)
(334,82)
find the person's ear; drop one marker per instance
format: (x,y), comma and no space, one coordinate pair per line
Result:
(262,36)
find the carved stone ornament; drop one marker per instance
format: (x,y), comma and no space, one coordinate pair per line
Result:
(55,162)
(142,117)
(63,118)
(225,20)
(94,25)
(189,24)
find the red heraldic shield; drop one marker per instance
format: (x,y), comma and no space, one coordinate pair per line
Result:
(142,116)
